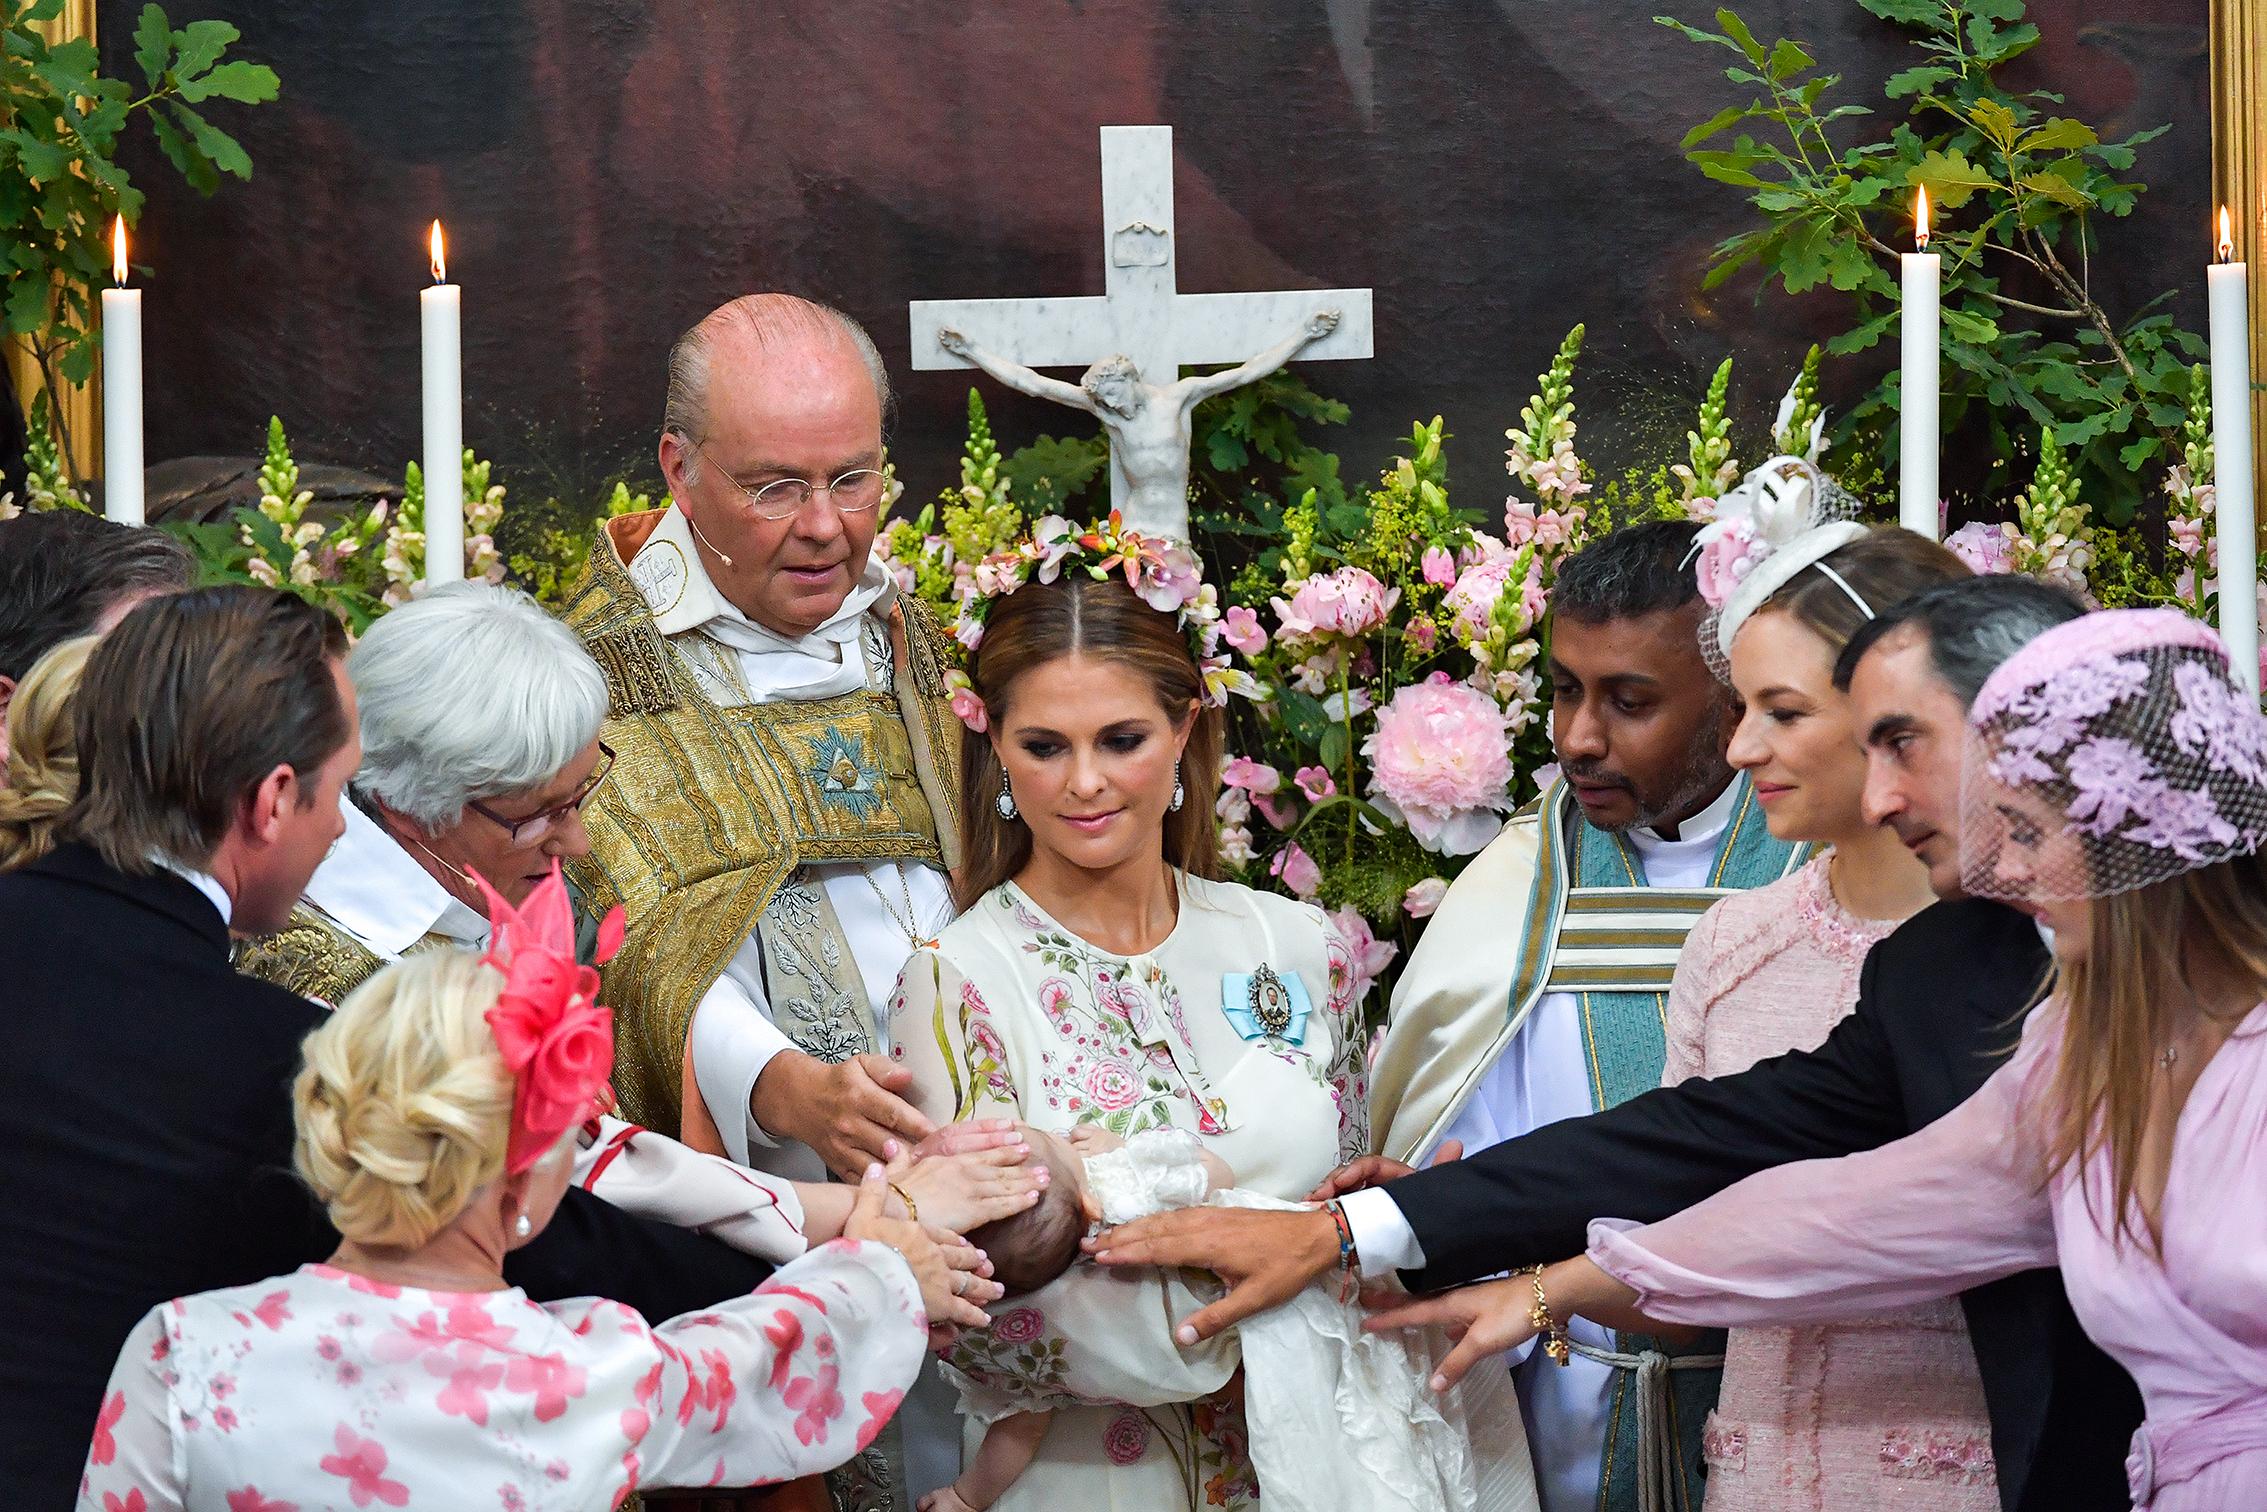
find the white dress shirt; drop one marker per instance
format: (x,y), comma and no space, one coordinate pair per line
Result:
(1543,1076)
(376,890)
(733,1035)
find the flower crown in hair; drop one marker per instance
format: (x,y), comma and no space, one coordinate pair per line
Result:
(1162,572)
(555,1037)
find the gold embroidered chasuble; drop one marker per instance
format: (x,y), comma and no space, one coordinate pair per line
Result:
(713,807)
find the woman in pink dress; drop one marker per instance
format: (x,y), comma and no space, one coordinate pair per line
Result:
(436,1118)
(2117,790)
(1847,1414)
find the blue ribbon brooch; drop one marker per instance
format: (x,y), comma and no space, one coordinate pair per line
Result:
(1265,1005)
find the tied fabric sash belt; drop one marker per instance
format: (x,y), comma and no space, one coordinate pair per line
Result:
(2165,1454)
(1658,1468)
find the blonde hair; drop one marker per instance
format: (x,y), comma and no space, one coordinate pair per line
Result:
(404,1106)
(42,777)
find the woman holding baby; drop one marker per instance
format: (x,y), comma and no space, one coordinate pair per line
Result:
(1102,985)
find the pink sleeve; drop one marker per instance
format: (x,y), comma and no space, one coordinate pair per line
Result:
(1685,1020)
(789,1381)
(1957,1204)
(131,1462)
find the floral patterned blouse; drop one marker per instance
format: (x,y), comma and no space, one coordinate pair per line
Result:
(324,1389)
(1011,1014)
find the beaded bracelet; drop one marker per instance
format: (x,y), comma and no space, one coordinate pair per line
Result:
(1349,1262)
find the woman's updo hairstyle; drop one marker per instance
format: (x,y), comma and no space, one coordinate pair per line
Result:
(1101,618)
(404,1106)
(1884,566)
(42,775)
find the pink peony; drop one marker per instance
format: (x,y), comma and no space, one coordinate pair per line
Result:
(1471,604)
(1423,897)
(1241,629)
(1252,776)
(1439,763)
(1366,954)
(1296,870)
(1986,549)
(1346,602)
(1439,566)
(1314,782)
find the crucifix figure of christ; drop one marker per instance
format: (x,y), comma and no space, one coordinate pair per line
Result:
(1133,340)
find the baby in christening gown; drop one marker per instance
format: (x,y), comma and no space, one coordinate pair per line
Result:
(1339,1419)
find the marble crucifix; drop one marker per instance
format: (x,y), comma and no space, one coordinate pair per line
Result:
(1134,339)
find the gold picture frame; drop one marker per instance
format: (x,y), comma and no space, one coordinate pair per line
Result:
(2239,170)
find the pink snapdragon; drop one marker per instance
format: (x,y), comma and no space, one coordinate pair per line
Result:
(1440,763)
(1547,528)
(1316,783)
(1252,776)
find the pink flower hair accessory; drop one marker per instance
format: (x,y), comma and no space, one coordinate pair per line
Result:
(555,1037)
(1781,518)
(1163,573)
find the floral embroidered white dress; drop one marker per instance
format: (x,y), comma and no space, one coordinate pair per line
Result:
(323,1389)
(1010,1014)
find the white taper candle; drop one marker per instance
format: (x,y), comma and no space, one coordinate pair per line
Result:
(121,390)
(2228,285)
(439,310)
(1918,382)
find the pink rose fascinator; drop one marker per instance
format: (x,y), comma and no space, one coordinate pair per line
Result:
(1780,519)
(556,1039)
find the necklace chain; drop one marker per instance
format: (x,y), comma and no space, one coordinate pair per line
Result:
(908,924)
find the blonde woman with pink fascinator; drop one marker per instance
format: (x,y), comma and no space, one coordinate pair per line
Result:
(437,1114)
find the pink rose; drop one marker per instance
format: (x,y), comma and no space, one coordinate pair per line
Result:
(1439,762)
(1439,567)
(1314,782)
(1347,602)
(1296,870)
(1127,1438)
(1240,628)
(1252,776)
(1112,1085)
(1986,549)
(1728,559)
(1423,897)
(1019,1325)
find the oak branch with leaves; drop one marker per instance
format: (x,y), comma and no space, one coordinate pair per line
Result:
(60,180)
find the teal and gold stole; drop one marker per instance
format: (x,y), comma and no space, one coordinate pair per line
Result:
(1597,931)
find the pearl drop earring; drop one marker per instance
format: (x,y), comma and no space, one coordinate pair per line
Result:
(523,1226)
(1005,803)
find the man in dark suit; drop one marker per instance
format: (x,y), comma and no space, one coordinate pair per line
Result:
(1940,1004)
(150,1152)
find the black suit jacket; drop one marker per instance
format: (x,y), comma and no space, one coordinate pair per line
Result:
(1939,1008)
(149,1153)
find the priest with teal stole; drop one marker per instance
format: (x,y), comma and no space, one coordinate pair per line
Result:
(1539,989)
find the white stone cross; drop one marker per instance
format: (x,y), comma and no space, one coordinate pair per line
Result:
(1142,316)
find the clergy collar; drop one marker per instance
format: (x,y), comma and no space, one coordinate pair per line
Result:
(677,588)
(378,893)
(1706,825)
(204,882)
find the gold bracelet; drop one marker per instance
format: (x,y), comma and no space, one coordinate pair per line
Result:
(912,1212)
(1547,1328)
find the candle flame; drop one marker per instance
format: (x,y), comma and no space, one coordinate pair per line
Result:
(1921,219)
(440,259)
(2227,237)
(118,251)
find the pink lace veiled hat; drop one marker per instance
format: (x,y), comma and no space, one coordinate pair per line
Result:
(2110,753)
(556,1039)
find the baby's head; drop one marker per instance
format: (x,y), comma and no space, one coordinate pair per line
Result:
(1033,1247)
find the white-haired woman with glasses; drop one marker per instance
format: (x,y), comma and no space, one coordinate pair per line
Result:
(479,717)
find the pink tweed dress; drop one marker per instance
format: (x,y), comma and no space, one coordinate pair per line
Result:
(1887,1411)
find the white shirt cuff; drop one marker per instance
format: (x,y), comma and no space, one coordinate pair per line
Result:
(1383,1240)
(732,1042)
